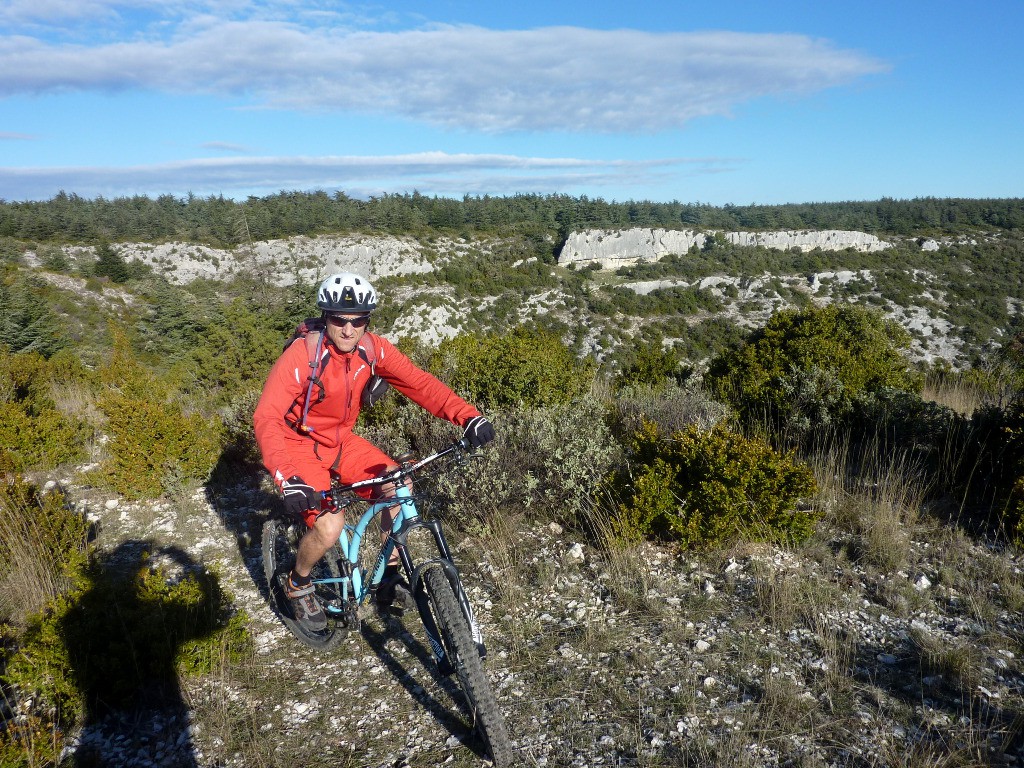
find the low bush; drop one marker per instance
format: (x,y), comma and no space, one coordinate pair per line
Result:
(652,366)
(239,439)
(544,460)
(548,461)
(153,442)
(34,433)
(999,444)
(154,445)
(937,437)
(704,488)
(522,368)
(671,408)
(804,368)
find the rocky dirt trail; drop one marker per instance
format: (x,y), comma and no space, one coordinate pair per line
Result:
(756,656)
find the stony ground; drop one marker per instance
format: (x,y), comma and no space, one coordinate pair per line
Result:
(753,656)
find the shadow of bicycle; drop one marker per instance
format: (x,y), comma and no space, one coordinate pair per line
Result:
(457,723)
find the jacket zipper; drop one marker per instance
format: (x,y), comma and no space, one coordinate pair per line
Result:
(348,393)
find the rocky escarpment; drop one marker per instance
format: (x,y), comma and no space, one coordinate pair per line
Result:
(309,258)
(615,248)
(292,260)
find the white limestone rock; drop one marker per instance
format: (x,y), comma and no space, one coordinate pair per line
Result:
(615,248)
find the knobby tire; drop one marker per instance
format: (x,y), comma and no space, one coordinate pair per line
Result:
(464,655)
(280,543)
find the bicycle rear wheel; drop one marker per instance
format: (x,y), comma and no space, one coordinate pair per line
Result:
(464,656)
(280,543)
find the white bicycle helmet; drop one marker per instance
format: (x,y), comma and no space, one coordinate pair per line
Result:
(346,292)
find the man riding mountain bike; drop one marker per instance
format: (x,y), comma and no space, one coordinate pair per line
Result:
(304,423)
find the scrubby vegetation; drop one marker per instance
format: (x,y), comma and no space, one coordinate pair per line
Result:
(807,436)
(709,488)
(804,369)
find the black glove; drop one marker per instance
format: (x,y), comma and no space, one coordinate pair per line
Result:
(299,496)
(479,432)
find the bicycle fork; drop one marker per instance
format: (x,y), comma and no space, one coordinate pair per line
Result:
(444,561)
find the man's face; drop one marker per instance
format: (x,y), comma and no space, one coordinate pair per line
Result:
(346,329)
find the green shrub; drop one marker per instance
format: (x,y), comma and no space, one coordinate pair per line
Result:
(34,434)
(804,368)
(523,367)
(548,461)
(239,439)
(30,740)
(999,446)
(934,434)
(709,487)
(671,408)
(53,258)
(651,366)
(544,460)
(153,443)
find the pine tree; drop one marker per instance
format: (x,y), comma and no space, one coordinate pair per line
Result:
(110,264)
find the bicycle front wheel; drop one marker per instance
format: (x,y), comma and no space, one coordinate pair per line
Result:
(280,543)
(464,656)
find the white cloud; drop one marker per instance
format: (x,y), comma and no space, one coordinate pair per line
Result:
(428,172)
(459,77)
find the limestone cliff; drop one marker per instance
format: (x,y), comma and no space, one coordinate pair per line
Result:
(615,248)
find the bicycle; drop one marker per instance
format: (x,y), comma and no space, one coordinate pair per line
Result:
(343,585)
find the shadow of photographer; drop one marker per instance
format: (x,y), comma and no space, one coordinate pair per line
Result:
(141,616)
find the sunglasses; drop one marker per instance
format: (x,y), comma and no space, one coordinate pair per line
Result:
(340,320)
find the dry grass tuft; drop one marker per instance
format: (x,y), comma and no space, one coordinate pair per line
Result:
(964,395)
(34,564)
(874,495)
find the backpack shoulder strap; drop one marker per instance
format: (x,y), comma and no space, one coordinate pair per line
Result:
(376,386)
(312,340)
(367,350)
(313,337)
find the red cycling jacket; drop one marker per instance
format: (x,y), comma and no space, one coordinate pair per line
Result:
(331,419)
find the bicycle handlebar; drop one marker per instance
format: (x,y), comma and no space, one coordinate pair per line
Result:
(396,476)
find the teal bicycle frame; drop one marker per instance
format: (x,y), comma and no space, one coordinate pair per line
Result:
(353,584)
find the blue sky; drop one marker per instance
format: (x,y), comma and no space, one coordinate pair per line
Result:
(716,102)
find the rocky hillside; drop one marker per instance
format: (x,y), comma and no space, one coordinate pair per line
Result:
(954,296)
(892,637)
